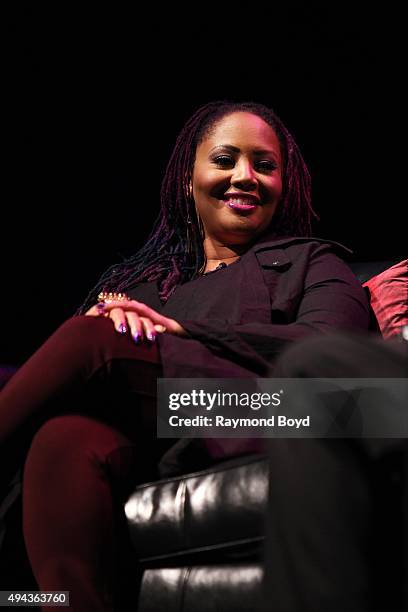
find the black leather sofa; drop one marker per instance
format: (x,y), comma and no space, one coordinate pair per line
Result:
(199,538)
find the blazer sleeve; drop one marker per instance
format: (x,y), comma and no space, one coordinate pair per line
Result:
(329,298)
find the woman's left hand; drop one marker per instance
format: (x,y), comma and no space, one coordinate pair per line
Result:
(123,307)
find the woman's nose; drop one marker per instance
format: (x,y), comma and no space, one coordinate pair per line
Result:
(243,174)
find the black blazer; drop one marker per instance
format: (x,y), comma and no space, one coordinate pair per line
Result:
(239,318)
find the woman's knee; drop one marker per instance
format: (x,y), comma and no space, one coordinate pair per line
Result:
(93,342)
(83,344)
(86,331)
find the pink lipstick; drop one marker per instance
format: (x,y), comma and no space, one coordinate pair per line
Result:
(241,204)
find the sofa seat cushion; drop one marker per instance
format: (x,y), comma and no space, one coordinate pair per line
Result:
(230,588)
(220,509)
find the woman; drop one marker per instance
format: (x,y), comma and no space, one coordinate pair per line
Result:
(228,277)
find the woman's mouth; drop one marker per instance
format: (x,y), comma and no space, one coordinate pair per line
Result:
(241,204)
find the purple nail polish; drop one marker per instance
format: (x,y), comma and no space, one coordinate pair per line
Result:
(101,306)
(122,328)
(136,337)
(151,336)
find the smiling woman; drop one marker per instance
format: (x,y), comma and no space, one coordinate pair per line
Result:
(237,183)
(228,277)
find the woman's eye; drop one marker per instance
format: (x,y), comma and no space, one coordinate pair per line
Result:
(223,160)
(266,166)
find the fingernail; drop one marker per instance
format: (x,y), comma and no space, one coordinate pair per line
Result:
(101,306)
(136,337)
(160,328)
(151,336)
(122,328)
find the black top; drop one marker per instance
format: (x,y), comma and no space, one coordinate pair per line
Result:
(241,316)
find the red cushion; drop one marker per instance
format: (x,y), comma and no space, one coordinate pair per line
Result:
(389,298)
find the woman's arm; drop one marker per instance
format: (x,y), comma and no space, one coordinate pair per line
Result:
(330,299)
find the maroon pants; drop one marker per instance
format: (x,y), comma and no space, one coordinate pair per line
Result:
(81,412)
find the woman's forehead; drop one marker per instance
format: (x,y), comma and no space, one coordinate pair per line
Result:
(242,129)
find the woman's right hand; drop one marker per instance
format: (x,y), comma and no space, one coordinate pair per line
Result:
(143,322)
(141,328)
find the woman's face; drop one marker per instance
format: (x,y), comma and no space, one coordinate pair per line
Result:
(237,178)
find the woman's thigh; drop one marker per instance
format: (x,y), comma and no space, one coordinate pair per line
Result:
(85,367)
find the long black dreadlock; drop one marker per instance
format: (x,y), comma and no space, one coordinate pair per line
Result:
(174,253)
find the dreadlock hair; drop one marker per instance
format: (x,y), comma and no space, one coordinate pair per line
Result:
(174,252)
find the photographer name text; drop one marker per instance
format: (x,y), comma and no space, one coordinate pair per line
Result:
(279,420)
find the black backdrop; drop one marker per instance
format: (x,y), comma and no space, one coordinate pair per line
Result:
(98,96)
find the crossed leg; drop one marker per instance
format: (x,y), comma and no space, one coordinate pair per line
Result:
(82,407)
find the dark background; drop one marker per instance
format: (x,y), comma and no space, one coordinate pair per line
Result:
(98,96)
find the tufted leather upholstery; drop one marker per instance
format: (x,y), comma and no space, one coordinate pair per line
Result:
(219,510)
(200,537)
(202,588)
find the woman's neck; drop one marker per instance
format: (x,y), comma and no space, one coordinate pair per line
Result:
(217,253)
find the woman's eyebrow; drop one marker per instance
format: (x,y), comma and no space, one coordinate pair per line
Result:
(228,147)
(233,149)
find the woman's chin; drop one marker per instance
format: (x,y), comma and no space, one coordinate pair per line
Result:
(243,232)
(251,225)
